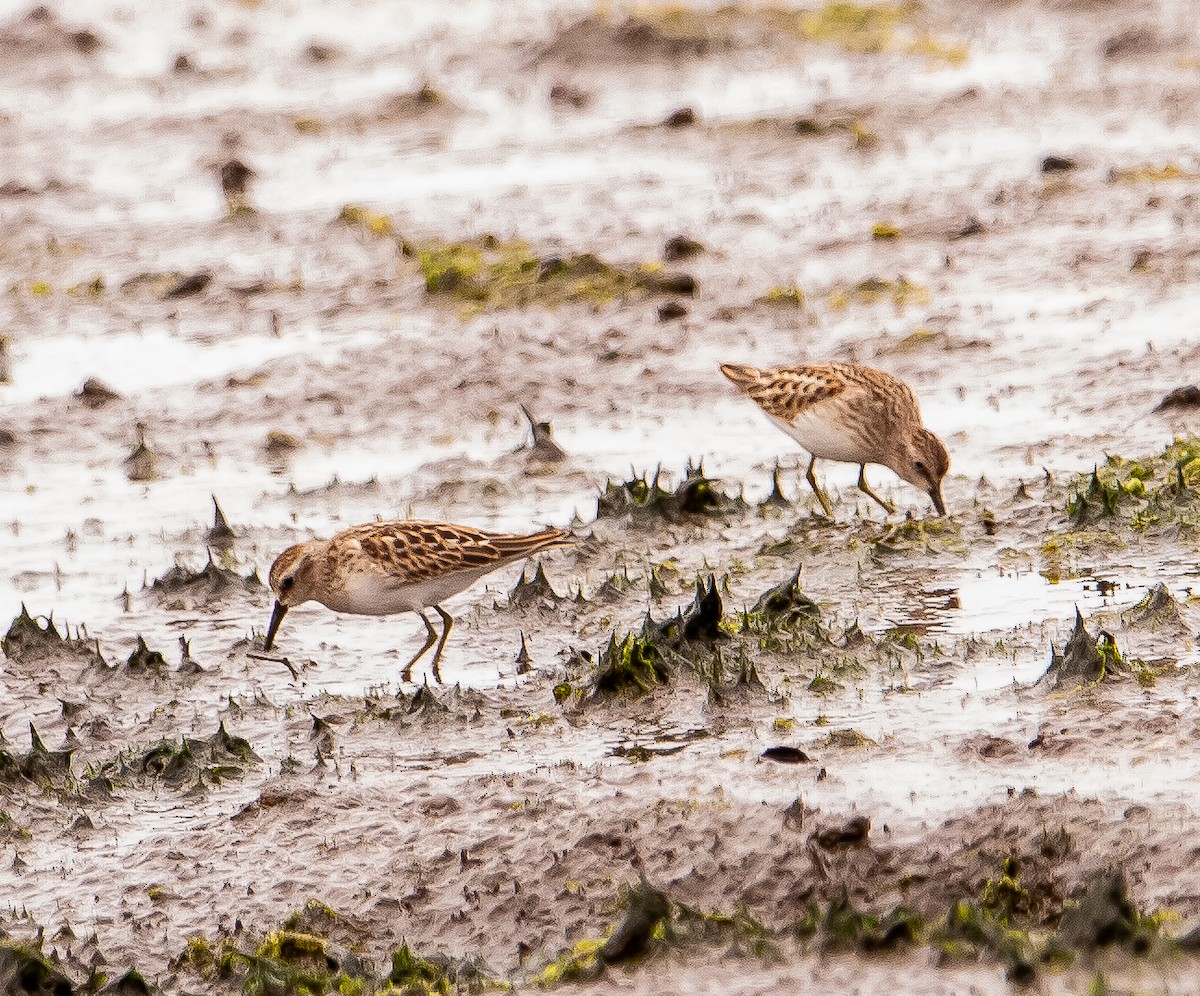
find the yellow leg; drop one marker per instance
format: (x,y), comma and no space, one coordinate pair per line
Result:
(812,480)
(431,637)
(447,625)
(864,487)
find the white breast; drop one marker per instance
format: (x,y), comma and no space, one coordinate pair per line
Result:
(371,594)
(823,439)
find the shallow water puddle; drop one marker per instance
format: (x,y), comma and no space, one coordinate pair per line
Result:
(974,602)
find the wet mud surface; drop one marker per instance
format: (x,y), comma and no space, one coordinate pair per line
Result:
(329,269)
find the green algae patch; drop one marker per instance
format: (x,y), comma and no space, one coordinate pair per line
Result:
(645,501)
(847,740)
(884,231)
(577,962)
(742,933)
(1086,658)
(378,226)
(487,274)
(1152,494)
(416,976)
(901,293)
(289,963)
(842,927)
(933,536)
(863,28)
(1069,554)
(783,297)
(1146,173)
(632,666)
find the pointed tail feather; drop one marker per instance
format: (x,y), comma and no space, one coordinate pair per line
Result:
(524,546)
(740,374)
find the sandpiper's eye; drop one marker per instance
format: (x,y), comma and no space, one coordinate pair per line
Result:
(286,583)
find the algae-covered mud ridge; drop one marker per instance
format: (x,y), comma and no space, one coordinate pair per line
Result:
(268,271)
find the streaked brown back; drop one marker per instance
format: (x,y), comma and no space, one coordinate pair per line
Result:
(430,549)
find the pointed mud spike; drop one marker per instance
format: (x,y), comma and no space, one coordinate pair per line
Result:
(523,659)
(776,498)
(221,533)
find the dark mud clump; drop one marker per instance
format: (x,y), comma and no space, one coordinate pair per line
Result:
(598,40)
(786,606)
(26,969)
(1085,658)
(143,660)
(38,766)
(534,593)
(700,622)
(190,761)
(648,908)
(1181,397)
(96,394)
(180,587)
(645,501)
(29,643)
(221,534)
(1156,610)
(543,449)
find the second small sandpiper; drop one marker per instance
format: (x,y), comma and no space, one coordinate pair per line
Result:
(853,414)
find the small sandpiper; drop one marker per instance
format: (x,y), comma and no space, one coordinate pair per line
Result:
(404,566)
(853,414)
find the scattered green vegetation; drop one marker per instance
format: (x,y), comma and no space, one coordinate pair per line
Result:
(645,500)
(1151,174)
(846,739)
(939,535)
(841,927)
(378,226)
(783,297)
(416,976)
(578,961)
(1145,495)
(488,273)
(630,666)
(288,963)
(901,292)
(857,27)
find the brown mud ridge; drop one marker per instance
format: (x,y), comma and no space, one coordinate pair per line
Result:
(721,745)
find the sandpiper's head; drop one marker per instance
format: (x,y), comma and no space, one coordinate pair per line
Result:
(293,580)
(924,463)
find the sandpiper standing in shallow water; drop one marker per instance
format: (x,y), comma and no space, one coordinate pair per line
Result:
(853,414)
(405,566)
